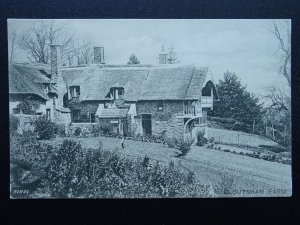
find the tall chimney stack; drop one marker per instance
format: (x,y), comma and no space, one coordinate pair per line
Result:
(54,60)
(99,55)
(162,57)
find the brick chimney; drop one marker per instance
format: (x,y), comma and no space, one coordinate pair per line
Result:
(99,55)
(54,61)
(162,57)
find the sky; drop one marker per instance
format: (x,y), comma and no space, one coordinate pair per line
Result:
(245,47)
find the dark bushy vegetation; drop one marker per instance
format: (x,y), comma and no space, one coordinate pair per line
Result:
(106,128)
(69,170)
(201,140)
(13,124)
(184,145)
(44,128)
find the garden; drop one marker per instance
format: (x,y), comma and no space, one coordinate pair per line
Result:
(69,170)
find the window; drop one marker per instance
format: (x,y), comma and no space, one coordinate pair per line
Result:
(75,91)
(48,114)
(46,88)
(93,118)
(75,115)
(160,105)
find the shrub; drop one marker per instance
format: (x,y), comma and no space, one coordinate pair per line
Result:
(106,128)
(275,148)
(184,145)
(29,161)
(95,130)
(225,184)
(60,130)
(65,169)
(201,140)
(44,128)
(13,124)
(77,131)
(171,142)
(240,126)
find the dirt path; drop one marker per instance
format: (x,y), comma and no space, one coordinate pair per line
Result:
(252,177)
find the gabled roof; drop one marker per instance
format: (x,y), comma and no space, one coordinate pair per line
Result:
(25,79)
(174,82)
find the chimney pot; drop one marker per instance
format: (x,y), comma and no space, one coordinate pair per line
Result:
(99,55)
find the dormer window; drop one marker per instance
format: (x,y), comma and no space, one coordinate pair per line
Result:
(116,93)
(75,91)
(46,88)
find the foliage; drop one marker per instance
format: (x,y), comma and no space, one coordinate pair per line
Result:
(184,144)
(240,126)
(13,124)
(106,128)
(235,101)
(171,142)
(28,105)
(44,128)
(64,169)
(60,130)
(70,171)
(77,131)
(133,60)
(29,160)
(201,140)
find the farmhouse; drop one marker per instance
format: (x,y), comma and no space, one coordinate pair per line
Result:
(132,99)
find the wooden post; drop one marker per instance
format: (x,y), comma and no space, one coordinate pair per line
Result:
(253,126)
(273,132)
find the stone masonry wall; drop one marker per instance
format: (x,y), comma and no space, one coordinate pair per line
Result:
(165,120)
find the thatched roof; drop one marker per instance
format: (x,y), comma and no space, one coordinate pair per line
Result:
(25,79)
(174,82)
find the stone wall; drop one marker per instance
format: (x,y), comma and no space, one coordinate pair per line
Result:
(165,120)
(61,117)
(86,129)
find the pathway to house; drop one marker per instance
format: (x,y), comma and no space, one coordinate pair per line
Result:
(252,177)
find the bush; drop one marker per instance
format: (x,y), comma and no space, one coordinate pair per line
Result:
(65,169)
(201,140)
(275,148)
(95,130)
(77,131)
(29,161)
(13,124)
(106,128)
(60,130)
(184,145)
(44,128)
(171,142)
(240,126)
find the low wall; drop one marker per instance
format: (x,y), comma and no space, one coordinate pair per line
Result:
(87,129)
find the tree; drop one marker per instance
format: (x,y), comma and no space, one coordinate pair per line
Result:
(36,42)
(279,96)
(13,44)
(235,101)
(82,52)
(133,60)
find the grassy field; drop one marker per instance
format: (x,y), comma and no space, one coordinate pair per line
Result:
(250,176)
(237,137)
